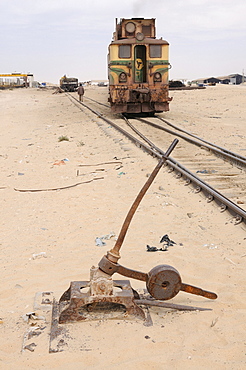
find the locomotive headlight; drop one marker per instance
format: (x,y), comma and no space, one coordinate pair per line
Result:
(157,77)
(140,36)
(130,27)
(122,77)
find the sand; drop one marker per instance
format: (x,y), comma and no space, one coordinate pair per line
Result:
(48,237)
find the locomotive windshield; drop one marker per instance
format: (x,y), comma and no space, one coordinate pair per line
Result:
(124,51)
(155,51)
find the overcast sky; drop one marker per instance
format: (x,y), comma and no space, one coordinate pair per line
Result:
(50,38)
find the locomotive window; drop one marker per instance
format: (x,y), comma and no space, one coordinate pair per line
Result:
(155,51)
(125,51)
(146,30)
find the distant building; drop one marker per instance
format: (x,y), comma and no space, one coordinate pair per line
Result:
(233,79)
(16,80)
(212,80)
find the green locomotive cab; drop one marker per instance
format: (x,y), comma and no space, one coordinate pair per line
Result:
(138,68)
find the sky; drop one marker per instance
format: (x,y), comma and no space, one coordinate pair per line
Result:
(50,38)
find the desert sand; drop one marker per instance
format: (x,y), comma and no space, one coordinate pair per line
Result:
(48,237)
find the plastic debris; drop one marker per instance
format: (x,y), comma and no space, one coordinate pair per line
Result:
(167,240)
(58,163)
(39,255)
(30,347)
(210,246)
(151,249)
(155,249)
(108,236)
(99,242)
(32,316)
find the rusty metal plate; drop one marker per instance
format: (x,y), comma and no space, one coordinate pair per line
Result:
(77,304)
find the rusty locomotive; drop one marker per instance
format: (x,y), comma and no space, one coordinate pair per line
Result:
(69,84)
(138,68)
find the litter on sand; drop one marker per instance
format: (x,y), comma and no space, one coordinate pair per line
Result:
(58,163)
(99,240)
(39,255)
(32,316)
(155,249)
(30,347)
(108,236)
(166,241)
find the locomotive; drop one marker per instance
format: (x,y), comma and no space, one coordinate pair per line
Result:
(69,83)
(138,68)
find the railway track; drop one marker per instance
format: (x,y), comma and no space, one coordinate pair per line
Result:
(236,163)
(234,158)
(227,155)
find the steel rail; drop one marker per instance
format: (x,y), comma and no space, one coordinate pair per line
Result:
(211,193)
(137,142)
(225,203)
(220,151)
(235,157)
(95,101)
(199,138)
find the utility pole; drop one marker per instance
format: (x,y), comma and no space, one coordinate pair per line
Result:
(243,77)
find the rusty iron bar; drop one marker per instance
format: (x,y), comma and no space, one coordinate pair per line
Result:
(114,255)
(155,280)
(111,268)
(173,306)
(197,291)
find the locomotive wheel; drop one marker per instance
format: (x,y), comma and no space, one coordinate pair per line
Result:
(164,282)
